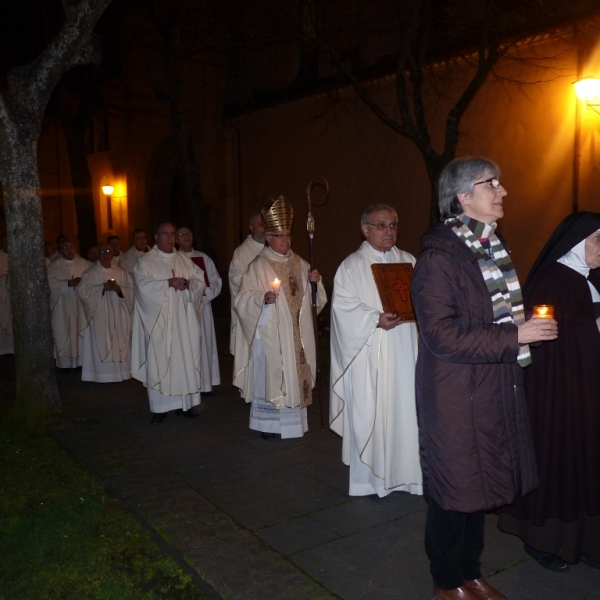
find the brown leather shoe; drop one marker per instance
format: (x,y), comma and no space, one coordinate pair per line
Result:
(482,590)
(459,593)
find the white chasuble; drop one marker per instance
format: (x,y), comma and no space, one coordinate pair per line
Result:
(209,371)
(7,344)
(275,358)
(372,404)
(68,318)
(165,353)
(107,338)
(130,257)
(242,257)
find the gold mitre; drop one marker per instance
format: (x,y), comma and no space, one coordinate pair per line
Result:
(278,215)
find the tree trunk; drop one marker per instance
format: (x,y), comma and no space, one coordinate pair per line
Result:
(22,107)
(37,391)
(434,163)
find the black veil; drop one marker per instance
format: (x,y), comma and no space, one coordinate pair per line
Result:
(567,235)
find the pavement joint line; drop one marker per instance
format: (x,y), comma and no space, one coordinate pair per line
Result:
(203,586)
(297,567)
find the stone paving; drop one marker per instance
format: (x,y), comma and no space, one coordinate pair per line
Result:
(271,519)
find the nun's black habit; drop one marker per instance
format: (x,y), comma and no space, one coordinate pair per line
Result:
(562,385)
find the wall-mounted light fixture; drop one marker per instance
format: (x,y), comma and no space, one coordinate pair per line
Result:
(588,91)
(107,190)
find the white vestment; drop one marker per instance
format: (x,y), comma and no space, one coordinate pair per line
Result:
(129,258)
(165,353)
(242,257)
(209,369)
(265,367)
(373,382)
(7,341)
(107,337)
(68,319)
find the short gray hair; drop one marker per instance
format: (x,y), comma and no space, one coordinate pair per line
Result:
(458,177)
(374,208)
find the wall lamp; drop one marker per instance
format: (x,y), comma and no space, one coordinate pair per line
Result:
(107,190)
(588,91)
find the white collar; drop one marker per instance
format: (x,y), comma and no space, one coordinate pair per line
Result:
(575,259)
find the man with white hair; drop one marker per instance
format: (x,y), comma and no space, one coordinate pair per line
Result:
(68,319)
(106,292)
(373,357)
(242,257)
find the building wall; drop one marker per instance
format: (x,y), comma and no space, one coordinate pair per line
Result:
(524,120)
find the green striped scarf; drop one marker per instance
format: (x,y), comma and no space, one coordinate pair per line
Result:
(498,273)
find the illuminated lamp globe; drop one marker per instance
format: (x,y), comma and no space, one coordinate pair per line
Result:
(108,189)
(587,89)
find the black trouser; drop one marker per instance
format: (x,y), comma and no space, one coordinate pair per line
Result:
(454,543)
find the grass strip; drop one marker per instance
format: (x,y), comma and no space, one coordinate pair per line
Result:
(61,537)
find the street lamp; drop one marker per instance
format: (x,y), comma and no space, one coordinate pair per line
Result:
(587,90)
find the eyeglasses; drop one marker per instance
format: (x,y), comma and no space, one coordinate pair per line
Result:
(384,226)
(280,235)
(495,183)
(166,233)
(184,235)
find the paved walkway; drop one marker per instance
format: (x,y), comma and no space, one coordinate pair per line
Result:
(265,519)
(270,519)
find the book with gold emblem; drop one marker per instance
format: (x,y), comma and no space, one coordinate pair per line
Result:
(393,284)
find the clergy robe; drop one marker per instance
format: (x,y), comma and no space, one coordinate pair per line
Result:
(562,385)
(165,353)
(242,257)
(68,318)
(107,336)
(209,370)
(275,356)
(7,344)
(129,258)
(373,382)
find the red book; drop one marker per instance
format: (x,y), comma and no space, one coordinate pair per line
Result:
(200,262)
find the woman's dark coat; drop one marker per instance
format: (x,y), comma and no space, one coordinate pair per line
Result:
(475,440)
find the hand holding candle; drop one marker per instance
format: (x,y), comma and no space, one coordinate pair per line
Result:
(540,328)
(271,297)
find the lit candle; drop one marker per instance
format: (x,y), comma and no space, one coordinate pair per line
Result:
(275,285)
(543,311)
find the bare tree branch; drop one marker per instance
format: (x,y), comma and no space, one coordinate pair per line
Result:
(31,85)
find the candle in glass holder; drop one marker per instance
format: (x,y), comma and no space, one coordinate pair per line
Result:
(543,311)
(275,285)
